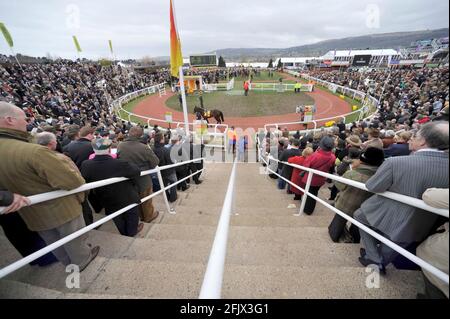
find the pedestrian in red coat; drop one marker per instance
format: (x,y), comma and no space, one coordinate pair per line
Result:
(296,178)
(322,160)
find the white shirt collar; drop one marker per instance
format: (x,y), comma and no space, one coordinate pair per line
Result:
(429,150)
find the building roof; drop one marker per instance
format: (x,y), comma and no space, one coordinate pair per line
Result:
(253,64)
(346,53)
(295,60)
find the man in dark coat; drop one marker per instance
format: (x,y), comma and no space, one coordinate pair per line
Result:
(115,196)
(286,170)
(79,151)
(132,150)
(169,175)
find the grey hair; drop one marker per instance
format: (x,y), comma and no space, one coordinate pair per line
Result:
(435,135)
(8,109)
(45,138)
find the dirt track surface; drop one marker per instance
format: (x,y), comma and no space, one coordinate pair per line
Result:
(328,105)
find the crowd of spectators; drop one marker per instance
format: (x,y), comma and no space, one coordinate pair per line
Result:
(68,156)
(74,92)
(406,95)
(403,148)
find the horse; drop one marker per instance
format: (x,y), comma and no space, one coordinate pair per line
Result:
(218,115)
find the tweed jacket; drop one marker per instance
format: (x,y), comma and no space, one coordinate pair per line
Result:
(411,176)
(30,169)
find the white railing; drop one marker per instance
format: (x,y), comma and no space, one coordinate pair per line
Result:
(212,282)
(279,87)
(398,197)
(116,107)
(35,199)
(219,86)
(368,101)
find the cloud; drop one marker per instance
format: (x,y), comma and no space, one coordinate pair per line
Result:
(141,27)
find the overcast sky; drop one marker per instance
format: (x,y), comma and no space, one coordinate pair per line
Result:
(140,28)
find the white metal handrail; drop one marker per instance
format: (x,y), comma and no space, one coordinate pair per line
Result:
(26,260)
(212,282)
(394,196)
(423,264)
(39,198)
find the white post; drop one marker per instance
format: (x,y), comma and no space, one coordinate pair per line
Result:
(308,185)
(161,185)
(183,97)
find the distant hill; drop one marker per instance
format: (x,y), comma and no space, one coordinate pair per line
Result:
(373,41)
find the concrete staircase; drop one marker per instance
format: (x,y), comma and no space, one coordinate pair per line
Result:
(271,253)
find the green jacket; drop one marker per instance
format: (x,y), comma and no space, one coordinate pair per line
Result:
(30,169)
(349,198)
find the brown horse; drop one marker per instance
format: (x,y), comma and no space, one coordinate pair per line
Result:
(218,115)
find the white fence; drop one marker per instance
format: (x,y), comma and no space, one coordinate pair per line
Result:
(219,86)
(213,130)
(280,87)
(369,104)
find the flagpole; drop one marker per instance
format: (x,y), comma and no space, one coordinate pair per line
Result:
(17,60)
(183,98)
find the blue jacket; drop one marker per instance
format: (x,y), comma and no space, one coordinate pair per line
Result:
(397,150)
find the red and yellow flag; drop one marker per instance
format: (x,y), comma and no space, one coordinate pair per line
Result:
(176,58)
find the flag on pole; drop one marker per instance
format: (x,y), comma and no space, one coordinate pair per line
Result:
(6,34)
(176,58)
(110,46)
(77,45)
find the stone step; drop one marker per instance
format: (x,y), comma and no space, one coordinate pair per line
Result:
(18,290)
(54,276)
(149,279)
(293,254)
(240,234)
(248,202)
(304,251)
(207,217)
(182,232)
(263,282)
(9,253)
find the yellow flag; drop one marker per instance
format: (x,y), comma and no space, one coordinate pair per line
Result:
(77,45)
(176,57)
(110,46)
(7,35)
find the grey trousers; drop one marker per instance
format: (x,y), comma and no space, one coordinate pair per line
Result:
(375,250)
(74,252)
